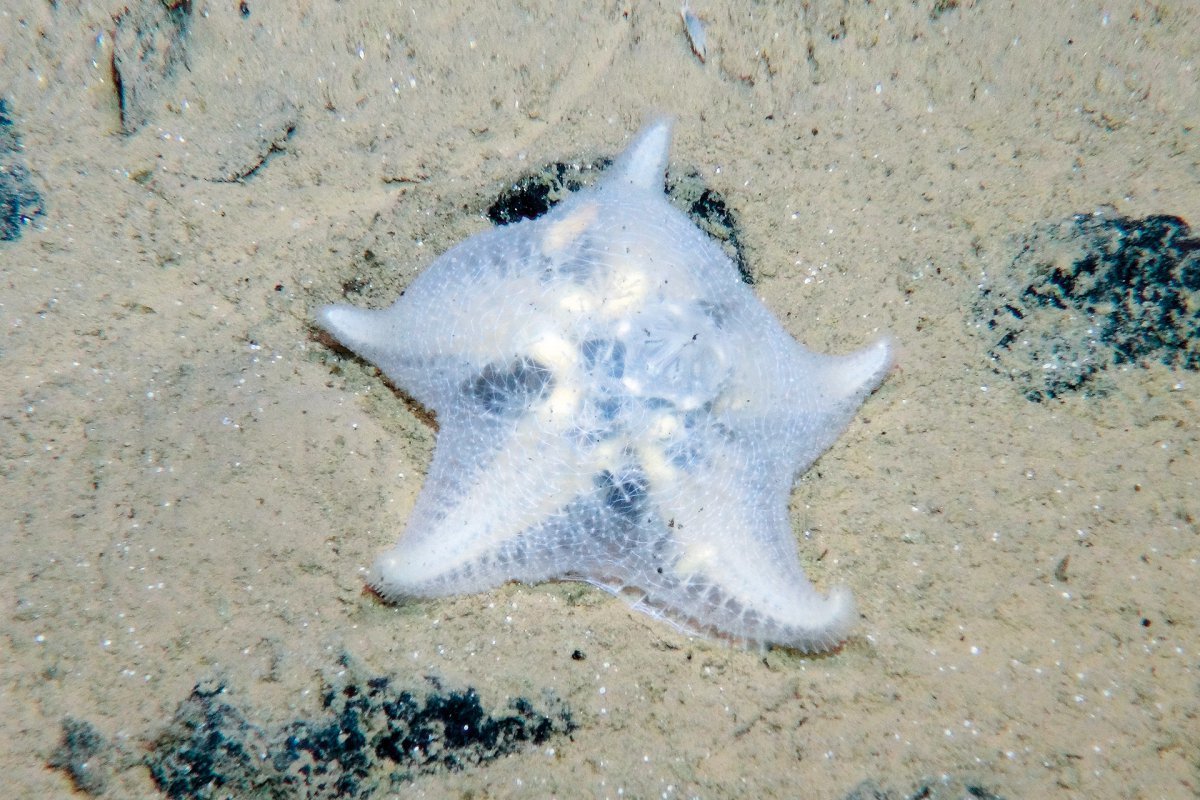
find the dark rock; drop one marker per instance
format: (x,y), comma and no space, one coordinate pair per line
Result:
(84,755)
(20,203)
(209,750)
(1093,292)
(370,735)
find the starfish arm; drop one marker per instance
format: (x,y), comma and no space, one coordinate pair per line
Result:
(820,407)
(737,541)
(644,162)
(476,504)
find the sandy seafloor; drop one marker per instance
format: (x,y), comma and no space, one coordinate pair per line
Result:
(193,483)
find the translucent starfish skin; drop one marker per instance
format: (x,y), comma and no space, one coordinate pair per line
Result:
(615,407)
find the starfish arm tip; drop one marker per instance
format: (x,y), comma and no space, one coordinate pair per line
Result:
(644,162)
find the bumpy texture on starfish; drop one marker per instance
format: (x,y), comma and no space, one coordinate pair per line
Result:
(616,407)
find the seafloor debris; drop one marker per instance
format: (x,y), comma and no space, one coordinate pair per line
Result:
(148,49)
(246,149)
(694,28)
(1092,292)
(947,787)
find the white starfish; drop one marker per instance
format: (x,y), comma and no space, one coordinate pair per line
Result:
(617,407)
